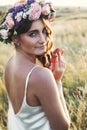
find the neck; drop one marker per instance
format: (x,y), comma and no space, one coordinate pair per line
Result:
(27,57)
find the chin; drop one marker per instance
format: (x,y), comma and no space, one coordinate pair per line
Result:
(41,53)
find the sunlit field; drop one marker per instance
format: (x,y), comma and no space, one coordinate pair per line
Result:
(70,34)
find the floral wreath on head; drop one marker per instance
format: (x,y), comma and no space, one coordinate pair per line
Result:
(30,10)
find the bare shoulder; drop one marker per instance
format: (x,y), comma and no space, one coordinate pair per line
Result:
(8,63)
(43,82)
(44,73)
(42,76)
(7,67)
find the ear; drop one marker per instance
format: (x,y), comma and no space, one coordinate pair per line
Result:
(15,39)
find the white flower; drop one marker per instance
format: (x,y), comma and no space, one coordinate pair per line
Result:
(9,15)
(4,33)
(18,17)
(24,15)
(34,11)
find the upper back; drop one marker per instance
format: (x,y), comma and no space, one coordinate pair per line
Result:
(15,79)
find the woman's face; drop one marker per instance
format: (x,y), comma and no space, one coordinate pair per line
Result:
(34,42)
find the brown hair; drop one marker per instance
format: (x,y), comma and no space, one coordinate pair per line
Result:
(45,58)
(26,25)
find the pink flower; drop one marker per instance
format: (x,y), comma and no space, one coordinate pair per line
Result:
(45,9)
(34,11)
(9,22)
(4,33)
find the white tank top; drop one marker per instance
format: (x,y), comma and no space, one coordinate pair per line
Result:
(28,117)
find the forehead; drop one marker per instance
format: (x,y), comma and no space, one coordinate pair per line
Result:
(37,25)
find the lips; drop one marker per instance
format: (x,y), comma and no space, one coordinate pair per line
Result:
(41,47)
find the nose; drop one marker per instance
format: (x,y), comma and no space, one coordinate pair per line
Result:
(42,39)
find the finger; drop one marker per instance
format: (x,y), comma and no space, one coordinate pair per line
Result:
(56,62)
(59,57)
(62,52)
(56,51)
(62,59)
(51,67)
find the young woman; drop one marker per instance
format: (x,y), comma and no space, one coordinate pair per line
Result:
(35,94)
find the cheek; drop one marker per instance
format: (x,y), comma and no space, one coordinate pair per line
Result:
(27,42)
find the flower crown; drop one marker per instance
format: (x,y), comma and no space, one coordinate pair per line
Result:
(30,10)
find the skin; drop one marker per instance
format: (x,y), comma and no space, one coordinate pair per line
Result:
(44,84)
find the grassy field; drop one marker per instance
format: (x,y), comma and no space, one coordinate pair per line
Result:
(70,34)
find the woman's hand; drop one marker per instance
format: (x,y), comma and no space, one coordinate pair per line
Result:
(58,64)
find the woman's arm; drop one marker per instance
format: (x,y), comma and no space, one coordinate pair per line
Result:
(46,91)
(58,68)
(60,89)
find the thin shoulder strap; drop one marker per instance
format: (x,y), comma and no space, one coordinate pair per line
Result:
(27,78)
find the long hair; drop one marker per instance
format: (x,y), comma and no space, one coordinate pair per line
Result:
(25,26)
(45,59)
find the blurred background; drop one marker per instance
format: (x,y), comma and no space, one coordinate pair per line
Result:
(70,34)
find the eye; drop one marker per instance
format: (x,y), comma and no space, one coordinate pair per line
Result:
(33,34)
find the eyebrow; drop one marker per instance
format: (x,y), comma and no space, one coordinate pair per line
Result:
(36,30)
(32,31)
